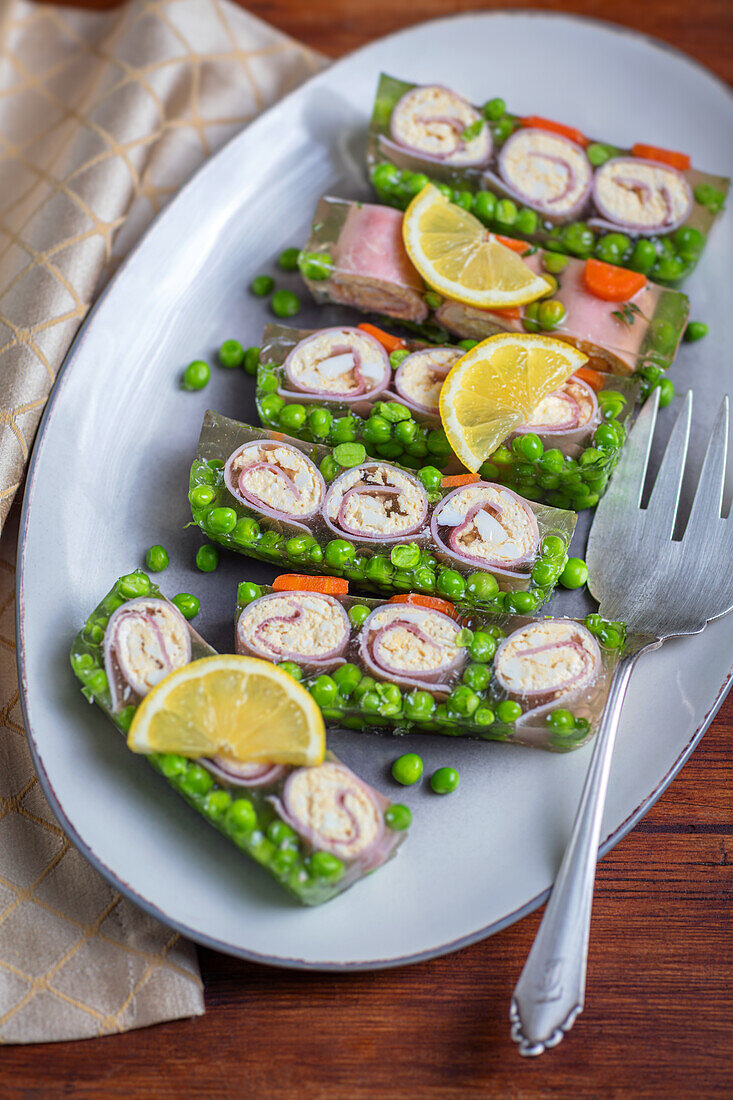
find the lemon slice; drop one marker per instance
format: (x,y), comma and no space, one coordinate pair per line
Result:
(457,256)
(495,386)
(239,707)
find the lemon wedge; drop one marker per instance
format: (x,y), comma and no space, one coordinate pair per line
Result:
(457,256)
(494,387)
(239,707)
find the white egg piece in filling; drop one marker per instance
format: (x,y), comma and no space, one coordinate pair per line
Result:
(332,804)
(421,375)
(503,534)
(547,657)
(554,409)
(147,639)
(549,171)
(279,476)
(641,194)
(432,120)
(372,512)
(293,625)
(339,361)
(428,647)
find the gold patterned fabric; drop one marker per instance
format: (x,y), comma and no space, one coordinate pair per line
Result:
(102,117)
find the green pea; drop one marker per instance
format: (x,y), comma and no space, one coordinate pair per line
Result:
(393,411)
(271,543)
(529,446)
(133,585)
(554,262)
(298,545)
(358,613)
(560,719)
(666,392)
(438,444)
(398,817)
(324,690)
(246,532)
(379,570)
(598,154)
(196,781)
(323,865)
(251,361)
(386,177)
(292,418)
(288,259)
(338,552)
(172,765)
(196,375)
(578,239)
(231,354)
(319,422)
(508,711)
(157,559)
(370,702)
(201,495)
(695,330)
(406,556)
(483,647)
(220,521)
(605,436)
(502,456)
(97,682)
(450,584)
(575,573)
(550,314)
(398,355)
(502,130)
(689,240)
(247,592)
(315,266)
(284,303)
(482,587)
(329,467)
(506,212)
(344,430)
(484,716)
(377,429)
(241,816)
(484,206)
(406,432)
(709,196)
(611,247)
(463,700)
(520,603)
(271,405)
(553,547)
(262,285)
(424,578)
(431,477)
(216,804)
(407,769)
(477,677)
(355,570)
(207,558)
(346,678)
(527,221)
(187,604)
(668,269)
(643,257)
(464,199)
(493,109)
(419,706)
(543,573)
(444,780)
(415,183)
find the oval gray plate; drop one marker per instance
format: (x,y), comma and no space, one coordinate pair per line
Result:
(109,478)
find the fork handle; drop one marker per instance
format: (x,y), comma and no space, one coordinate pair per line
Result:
(550,992)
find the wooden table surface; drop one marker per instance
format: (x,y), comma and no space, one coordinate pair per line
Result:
(659,1003)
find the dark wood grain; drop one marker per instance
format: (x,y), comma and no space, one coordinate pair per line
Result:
(659,1001)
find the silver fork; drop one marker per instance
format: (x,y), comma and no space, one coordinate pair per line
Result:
(625,540)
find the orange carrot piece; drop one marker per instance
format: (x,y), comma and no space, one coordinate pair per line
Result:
(453,480)
(664,156)
(510,242)
(277,436)
(613,284)
(389,342)
(298,582)
(512,314)
(538,123)
(594,378)
(432,602)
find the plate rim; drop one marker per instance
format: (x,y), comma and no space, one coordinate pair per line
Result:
(283,962)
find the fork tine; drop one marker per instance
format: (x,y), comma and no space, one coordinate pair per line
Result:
(627,482)
(708,502)
(662,508)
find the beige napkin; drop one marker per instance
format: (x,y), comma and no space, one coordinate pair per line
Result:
(102,117)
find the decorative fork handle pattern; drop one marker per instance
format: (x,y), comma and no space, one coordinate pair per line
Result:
(550,992)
